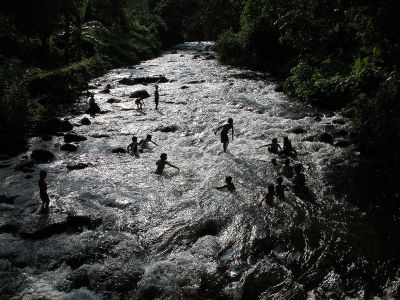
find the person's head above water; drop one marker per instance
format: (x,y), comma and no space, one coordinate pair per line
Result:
(163,156)
(271,188)
(148,137)
(230,121)
(273,161)
(134,139)
(228,179)
(285,138)
(279,180)
(297,168)
(287,162)
(274,140)
(156,86)
(43,174)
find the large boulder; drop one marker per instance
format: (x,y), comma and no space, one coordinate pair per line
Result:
(85,121)
(325,138)
(69,147)
(143,80)
(118,150)
(54,125)
(142,94)
(42,156)
(113,100)
(73,137)
(298,130)
(77,166)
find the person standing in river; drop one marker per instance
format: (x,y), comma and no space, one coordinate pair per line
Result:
(43,192)
(144,143)
(229,185)
(161,164)
(133,147)
(224,133)
(156,96)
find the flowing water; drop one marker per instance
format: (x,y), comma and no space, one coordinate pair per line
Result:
(137,235)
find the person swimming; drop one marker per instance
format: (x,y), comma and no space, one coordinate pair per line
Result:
(161,164)
(269,196)
(224,133)
(273,147)
(287,169)
(144,143)
(229,185)
(133,147)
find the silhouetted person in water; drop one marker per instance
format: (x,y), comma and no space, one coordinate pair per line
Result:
(269,196)
(139,103)
(224,133)
(299,180)
(274,162)
(93,106)
(133,147)
(156,96)
(144,144)
(161,164)
(229,185)
(273,147)
(288,148)
(43,192)
(280,188)
(287,169)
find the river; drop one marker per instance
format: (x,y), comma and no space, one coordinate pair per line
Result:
(118,231)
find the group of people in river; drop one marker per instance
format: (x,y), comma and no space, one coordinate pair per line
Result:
(135,147)
(294,174)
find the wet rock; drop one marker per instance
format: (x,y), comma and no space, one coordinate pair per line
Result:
(78,166)
(196,56)
(298,130)
(105,91)
(93,109)
(142,94)
(184,87)
(325,138)
(196,81)
(113,100)
(108,86)
(69,147)
(342,143)
(174,52)
(143,80)
(54,125)
(25,166)
(119,150)
(339,121)
(7,200)
(341,132)
(100,135)
(317,119)
(170,128)
(73,137)
(85,121)
(47,138)
(210,57)
(42,156)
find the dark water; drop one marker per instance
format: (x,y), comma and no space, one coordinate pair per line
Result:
(117,231)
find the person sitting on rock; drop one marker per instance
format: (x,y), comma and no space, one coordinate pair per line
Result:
(93,106)
(161,164)
(224,133)
(156,96)
(144,143)
(133,147)
(299,180)
(43,192)
(280,189)
(269,196)
(139,103)
(287,169)
(288,148)
(229,185)
(273,147)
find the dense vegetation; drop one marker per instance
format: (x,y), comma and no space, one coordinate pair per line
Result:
(50,49)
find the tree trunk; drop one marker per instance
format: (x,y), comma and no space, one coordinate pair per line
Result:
(67,35)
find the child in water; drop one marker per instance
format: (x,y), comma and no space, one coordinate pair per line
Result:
(280,189)
(224,133)
(287,169)
(144,143)
(133,147)
(288,148)
(229,185)
(299,180)
(156,96)
(269,196)
(139,103)
(43,192)
(273,147)
(161,164)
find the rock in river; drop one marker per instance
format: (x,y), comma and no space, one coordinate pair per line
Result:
(143,80)
(143,94)
(42,156)
(73,137)
(69,147)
